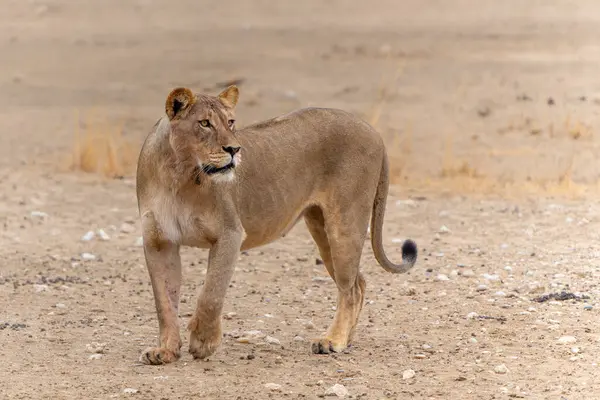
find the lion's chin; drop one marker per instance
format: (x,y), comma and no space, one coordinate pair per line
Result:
(223,177)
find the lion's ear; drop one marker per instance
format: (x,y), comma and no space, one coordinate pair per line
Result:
(178,101)
(229,97)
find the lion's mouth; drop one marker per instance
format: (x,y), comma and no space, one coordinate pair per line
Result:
(211,169)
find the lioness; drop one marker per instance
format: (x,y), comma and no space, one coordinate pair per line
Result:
(202,183)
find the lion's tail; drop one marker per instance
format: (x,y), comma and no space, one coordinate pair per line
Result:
(409,247)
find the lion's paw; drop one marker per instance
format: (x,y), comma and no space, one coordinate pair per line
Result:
(204,344)
(326,346)
(158,356)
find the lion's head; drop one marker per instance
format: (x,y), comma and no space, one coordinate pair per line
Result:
(203,133)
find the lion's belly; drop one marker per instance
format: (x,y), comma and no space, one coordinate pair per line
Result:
(261,234)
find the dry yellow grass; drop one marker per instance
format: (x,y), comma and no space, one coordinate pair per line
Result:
(99,147)
(459,176)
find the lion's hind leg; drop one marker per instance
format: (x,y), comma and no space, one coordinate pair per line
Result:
(340,241)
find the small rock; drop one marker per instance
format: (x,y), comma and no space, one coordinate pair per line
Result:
(467,273)
(588,307)
(321,279)
(102,235)
(38,214)
(229,315)
(472,340)
(87,256)
(442,277)
(567,339)
(420,356)
(508,268)
(302,259)
(472,315)
(40,288)
(337,390)
(298,339)
(408,374)
(481,288)
(96,356)
(500,369)
(273,386)
(444,229)
(88,236)
(500,293)
(139,242)
(272,340)
(60,305)
(247,336)
(95,347)
(575,350)
(490,277)
(127,228)
(130,391)
(309,325)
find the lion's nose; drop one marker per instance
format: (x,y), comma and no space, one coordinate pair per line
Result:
(231,149)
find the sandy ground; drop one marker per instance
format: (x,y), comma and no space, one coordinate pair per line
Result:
(509,90)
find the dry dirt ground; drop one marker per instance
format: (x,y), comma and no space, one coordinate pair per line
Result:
(489,91)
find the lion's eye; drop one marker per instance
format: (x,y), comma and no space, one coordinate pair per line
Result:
(231,122)
(205,123)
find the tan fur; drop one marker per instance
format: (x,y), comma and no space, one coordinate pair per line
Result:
(193,189)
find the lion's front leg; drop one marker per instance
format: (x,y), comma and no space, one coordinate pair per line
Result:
(205,325)
(164,266)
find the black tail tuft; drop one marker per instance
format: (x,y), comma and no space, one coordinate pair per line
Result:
(409,252)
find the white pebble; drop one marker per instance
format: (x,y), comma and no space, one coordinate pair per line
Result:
(442,277)
(567,339)
(309,325)
(337,390)
(444,229)
(481,288)
(127,228)
(408,374)
(87,256)
(273,386)
(491,277)
(130,391)
(272,340)
(139,242)
(88,236)
(298,339)
(102,235)
(230,315)
(40,288)
(95,347)
(39,214)
(575,350)
(472,315)
(508,268)
(254,333)
(501,369)
(467,273)
(500,293)
(60,305)
(96,356)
